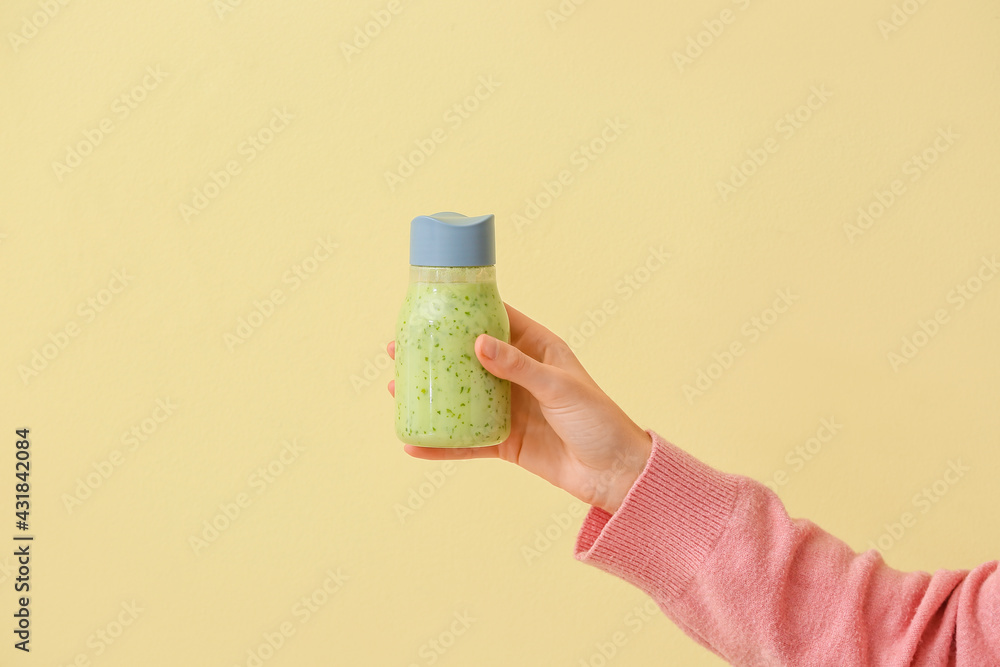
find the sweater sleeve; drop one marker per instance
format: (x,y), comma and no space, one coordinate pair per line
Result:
(723,560)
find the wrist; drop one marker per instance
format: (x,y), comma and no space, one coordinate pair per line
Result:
(630,460)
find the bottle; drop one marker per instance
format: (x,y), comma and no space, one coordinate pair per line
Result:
(444,396)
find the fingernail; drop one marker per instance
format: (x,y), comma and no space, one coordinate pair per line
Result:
(490,347)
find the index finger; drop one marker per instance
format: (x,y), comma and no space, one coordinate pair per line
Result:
(535,340)
(528,335)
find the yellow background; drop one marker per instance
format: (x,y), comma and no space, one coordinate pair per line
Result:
(314,372)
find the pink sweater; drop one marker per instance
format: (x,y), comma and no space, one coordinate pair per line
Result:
(721,558)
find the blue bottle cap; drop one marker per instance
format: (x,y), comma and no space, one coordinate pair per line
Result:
(452,239)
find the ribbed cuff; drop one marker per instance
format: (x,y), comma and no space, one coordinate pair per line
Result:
(666,526)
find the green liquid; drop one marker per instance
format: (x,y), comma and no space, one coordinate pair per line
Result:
(444,396)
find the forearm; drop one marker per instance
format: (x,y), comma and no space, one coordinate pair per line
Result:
(723,559)
(630,460)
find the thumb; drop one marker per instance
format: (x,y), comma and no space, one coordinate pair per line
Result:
(509,363)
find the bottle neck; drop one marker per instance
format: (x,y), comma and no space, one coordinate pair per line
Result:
(453,274)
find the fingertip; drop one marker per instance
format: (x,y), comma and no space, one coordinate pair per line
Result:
(391,349)
(486,347)
(392,387)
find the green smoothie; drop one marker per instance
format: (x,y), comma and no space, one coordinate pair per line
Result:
(444,396)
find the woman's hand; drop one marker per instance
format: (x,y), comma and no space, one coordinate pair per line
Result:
(564,428)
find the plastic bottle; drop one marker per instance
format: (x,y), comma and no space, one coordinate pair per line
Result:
(444,396)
